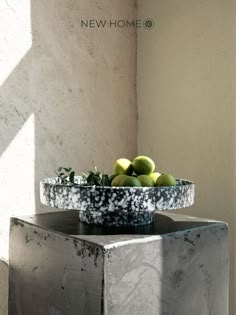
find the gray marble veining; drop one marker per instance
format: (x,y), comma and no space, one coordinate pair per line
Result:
(176,266)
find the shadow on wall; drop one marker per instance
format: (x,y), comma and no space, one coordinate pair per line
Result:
(53,103)
(186,80)
(4,287)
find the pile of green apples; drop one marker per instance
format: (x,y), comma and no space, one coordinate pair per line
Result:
(139,173)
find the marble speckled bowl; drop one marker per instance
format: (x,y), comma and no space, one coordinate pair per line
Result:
(116,206)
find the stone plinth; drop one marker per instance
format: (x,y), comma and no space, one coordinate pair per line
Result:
(176,266)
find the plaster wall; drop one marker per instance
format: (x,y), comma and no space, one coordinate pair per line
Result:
(186,102)
(67,97)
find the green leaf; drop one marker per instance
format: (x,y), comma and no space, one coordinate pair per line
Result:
(72,176)
(105,180)
(68,169)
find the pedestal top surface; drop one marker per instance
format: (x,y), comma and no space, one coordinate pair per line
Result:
(67,222)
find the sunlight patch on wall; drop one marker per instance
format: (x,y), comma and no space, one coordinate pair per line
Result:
(17,171)
(15,31)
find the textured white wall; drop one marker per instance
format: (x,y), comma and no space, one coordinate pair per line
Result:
(67,96)
(186,101)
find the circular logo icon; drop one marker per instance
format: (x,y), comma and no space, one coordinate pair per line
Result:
(148,24)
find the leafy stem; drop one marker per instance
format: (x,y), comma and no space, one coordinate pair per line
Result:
(65,175)
(96,178)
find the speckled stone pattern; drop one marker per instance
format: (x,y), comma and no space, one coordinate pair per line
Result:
(116,218)
(116,205)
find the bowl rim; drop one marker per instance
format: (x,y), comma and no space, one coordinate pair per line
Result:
(46,181)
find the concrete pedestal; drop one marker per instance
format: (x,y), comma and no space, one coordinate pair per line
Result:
(176,266)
